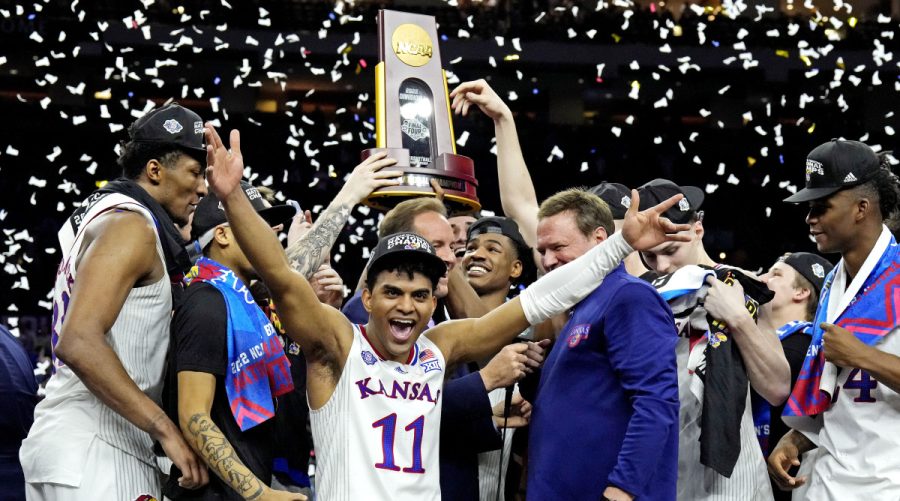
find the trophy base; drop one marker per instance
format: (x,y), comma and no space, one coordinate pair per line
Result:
(454,173)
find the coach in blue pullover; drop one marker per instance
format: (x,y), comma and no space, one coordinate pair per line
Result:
(605,421)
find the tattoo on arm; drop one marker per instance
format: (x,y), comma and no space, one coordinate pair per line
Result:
(211,443)
(307,253)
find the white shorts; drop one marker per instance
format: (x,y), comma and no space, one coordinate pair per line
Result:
(109,473)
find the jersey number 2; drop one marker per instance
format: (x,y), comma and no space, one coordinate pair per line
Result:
(388,425)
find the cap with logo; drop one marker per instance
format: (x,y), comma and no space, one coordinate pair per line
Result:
(836,165)
(617,197)
(210,213)
(172,124)
(400,247)
(812,267)
(660,190)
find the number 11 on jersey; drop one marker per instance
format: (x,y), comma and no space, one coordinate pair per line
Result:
(388,425)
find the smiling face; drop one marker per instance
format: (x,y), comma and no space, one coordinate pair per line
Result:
(491,263)
(559,240)
(832,221)
(179,187)
(399,309)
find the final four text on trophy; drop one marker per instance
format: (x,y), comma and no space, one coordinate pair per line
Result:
(412,117)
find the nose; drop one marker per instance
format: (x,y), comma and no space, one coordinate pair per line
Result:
(447,256)
(663,265)
(405,304)
(549,261)
(764,278)
(202,190)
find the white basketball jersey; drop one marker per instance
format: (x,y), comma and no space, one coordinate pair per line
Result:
(859,444)
(70,416)
(378,435)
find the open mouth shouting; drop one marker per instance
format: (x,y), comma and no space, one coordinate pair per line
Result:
(401,329)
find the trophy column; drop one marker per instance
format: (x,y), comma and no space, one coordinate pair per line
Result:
(413,120)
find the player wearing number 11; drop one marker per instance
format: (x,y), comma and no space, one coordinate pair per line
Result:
(851,375)
(374,391)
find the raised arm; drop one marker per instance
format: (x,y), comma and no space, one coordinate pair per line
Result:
(309,251)
(558,290)
(121,254)
(306,320)
(517,195)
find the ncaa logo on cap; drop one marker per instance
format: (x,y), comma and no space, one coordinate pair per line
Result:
(172,126)
(626,202)
(684,205)
(818,270)
(813,167)
(409,242)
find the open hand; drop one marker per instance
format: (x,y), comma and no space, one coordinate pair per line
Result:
(368,176)
(648,228)
(224,167)
(481,94)
(783,457)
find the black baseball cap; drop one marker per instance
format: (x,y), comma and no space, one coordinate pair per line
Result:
(617,197)
(408,247)
(812,267)
(836,165)
(172,124)
(660,190)
(210,213)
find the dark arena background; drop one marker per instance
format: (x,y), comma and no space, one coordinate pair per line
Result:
(726,96)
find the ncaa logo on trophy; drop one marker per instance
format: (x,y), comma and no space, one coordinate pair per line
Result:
(412,116)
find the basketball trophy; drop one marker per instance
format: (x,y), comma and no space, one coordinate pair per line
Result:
(412,116)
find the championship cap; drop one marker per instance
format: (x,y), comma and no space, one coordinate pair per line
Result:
(617,197)
(836,165)
(210,213)
(408,247)
(660,190)
(172,124)
(812,267)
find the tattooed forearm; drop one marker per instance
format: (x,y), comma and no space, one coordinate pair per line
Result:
(215,449)
(308,253)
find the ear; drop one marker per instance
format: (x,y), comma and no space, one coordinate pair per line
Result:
(153,170)
(222,236)
(801,294)
(699,230)
(367,300)
(516,270)
(600,234)
(863,206)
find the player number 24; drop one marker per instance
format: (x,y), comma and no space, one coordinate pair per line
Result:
(388,425)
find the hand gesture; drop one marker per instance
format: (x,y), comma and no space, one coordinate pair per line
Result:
(648,228)
(725,302)
(783,457)
(224,167)
(368,177)
(482,95)
(841,347)
(193,470)
(328,285)
(519,413)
